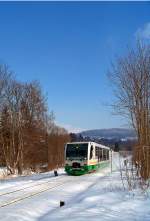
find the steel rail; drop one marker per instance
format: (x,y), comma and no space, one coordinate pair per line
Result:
(27,187)
(30,195)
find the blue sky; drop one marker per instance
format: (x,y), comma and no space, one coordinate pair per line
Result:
(68,47)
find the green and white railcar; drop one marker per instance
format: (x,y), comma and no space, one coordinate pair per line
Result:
(85,157)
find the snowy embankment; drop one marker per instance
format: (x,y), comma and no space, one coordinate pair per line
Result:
(97,196)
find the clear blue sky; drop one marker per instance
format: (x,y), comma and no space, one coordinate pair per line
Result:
(68,47)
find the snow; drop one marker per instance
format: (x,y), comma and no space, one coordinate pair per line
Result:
(3,172)
(96,196)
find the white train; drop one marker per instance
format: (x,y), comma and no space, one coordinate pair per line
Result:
(84,157)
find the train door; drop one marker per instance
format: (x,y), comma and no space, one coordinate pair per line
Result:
(92,152)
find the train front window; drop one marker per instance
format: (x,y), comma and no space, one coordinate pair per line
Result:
(77,150)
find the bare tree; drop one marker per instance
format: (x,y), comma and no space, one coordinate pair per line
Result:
(130,77)
(22,124)
(29,137)
(11,130)
(34,112)
(56,141)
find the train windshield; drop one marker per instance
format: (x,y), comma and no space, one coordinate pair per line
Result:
(77,150)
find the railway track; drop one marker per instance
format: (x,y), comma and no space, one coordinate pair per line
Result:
(10,197)
(30,186)
(47,186)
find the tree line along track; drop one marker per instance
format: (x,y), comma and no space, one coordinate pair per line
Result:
(18,199)
(29,186)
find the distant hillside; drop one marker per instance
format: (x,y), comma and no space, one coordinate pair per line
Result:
(113,133)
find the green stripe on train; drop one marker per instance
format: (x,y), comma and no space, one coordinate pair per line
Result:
(85,169)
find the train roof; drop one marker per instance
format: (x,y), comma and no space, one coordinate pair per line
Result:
(99,145)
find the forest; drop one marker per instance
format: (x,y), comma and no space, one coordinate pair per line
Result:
(29,138)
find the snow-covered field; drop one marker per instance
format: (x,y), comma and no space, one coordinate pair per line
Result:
(97,196)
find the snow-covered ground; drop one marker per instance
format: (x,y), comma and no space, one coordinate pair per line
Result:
(3,172)
(96,196)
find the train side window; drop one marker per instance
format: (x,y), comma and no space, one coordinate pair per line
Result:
(104,154)
(96,149)
(97,153)
(101,154)
(108,155)
(91,152)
